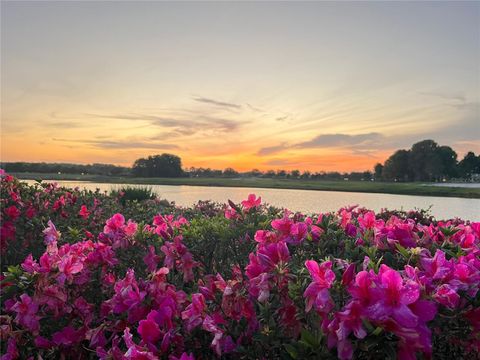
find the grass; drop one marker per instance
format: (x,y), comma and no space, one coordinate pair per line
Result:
(346,186)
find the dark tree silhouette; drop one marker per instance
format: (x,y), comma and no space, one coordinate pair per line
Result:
(378,171)
(397,166)
(165,165)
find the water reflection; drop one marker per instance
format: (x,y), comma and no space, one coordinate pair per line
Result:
(304,200)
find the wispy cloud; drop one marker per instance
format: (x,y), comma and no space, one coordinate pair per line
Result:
(120,144)
(336,140)
(198,123)
(256,109)
(457,96)
(272,149)
(217,102)
(63,124)
(279,162)
(366,141)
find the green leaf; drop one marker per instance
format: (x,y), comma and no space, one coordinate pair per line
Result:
(308,338)
(402,251)
(291,351)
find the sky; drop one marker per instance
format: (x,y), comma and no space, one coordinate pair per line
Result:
(319,86)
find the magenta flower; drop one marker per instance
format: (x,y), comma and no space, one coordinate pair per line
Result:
(68,336)
(30,265)
(271,255)
(193,314)
(12,212)
(317,293)
(51,235)
(68,266)
(283,225)
(298,233)
(265,236)
(367,220)
(151,259)
(149,331)
(231,213)
(392,298)
(127,294)
(252,202)
(117,233)
(438,267)
(12,350)
(26,309)
(447,296)
(84,213)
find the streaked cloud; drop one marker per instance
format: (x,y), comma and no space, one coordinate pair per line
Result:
(120,144)
(217,103)
(192,125)
(369,140)
(335,140)
(272,149)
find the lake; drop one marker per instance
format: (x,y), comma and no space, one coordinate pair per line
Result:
(308,201)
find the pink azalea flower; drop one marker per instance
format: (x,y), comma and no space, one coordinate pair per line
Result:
(127,294)
(298,233)
(151,259)
(51,235)
(26,309)
(393,298)
(231,213)
(68,336)
(68,266)
(84,213)
(131,228)
(12,350)
(271,255)
(149,331)
(367,220)
(252,202)
(283,225)
(447,296)
(265,236)
(193,314)
(317,293)
(30,265)
(12,212)
(437,267)
(210,325)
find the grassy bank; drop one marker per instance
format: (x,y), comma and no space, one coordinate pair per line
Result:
(346,186)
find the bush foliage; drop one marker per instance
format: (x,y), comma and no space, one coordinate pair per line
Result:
(87,275)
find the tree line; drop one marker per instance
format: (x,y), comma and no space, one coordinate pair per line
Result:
(424,161)
(65,168)
(427,161)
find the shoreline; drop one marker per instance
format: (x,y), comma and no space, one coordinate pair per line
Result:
(417,189)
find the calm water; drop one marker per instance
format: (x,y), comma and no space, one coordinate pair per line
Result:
(461,185)
(305,200)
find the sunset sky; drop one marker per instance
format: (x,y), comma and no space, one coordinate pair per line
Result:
(314,85)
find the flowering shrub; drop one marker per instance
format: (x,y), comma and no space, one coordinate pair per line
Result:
(87,276)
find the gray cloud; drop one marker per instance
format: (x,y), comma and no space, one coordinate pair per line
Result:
(365,142)
(63,124)
(335,140)
(457,96)
(279,162)
(272,149)
(120,144)
(217,102)
(251,107)
(198,123)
